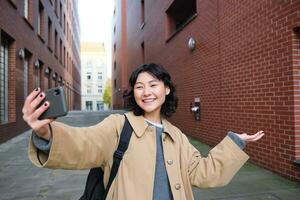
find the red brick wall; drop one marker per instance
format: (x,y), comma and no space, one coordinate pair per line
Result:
(245,69)
(24,34)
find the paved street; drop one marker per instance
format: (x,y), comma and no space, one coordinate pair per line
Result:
(19,179)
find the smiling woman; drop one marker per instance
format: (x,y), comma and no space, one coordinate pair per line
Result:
(152,93)
(160,162)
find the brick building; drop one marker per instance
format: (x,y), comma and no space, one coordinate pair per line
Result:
(39,48)
(244,69)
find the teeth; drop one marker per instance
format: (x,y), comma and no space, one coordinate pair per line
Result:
(148,100)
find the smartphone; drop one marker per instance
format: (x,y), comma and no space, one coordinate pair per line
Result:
(58,104)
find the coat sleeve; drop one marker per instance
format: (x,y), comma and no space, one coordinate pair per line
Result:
(218,168)
(79,147)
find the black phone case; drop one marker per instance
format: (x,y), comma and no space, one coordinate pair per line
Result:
(58,104)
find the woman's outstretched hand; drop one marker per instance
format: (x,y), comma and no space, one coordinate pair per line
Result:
(251,138)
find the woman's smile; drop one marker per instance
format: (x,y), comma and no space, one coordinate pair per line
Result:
(149,100)
(150,94)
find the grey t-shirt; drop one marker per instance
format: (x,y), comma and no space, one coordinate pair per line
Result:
(161,188)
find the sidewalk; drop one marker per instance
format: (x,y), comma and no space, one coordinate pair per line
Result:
(19,179)
(250,183)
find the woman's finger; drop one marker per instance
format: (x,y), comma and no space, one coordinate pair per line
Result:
(255,137)
(29,99)
(38,112)
(34,104)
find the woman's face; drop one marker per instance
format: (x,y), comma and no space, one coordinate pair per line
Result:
(150,93)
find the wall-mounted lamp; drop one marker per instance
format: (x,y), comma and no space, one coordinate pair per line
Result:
(192,43)
(47,71)
(54,76)
(196,108)
(59,79)
(21,54)
(37,64)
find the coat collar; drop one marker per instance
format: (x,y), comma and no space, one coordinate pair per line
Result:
(140,125)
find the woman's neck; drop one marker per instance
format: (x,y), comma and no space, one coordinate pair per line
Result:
(155,118)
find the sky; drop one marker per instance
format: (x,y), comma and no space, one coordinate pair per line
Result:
(95,18)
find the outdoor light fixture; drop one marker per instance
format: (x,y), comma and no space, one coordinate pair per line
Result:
(21,54)
(47,71)
(192,43)
(54,75)
(37,64)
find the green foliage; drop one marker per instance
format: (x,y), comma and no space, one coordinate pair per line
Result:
(107,93)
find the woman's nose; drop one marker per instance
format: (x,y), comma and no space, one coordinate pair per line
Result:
(147,91)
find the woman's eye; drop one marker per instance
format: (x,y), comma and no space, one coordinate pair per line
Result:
(153,85)
(138,87)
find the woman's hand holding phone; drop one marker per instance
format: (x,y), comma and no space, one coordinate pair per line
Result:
(31,113)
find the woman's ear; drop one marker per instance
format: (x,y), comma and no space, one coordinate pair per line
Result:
(168,90)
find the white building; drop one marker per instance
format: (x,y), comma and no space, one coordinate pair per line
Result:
(93,76)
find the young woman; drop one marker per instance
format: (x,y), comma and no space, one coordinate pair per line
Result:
(160,163)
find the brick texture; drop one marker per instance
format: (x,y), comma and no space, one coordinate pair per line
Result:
(24,33)
(245,69)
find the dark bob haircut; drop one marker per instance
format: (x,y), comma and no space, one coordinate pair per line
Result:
(157,71)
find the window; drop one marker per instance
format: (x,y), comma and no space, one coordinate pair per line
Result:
(37,74)
(40,19)
(5,42)
(89,105)
(115,47)
(115,65)
(47,79)
(295,54)
(25,71)
(143,52)
(89,90)
(99,89)
(88,75)
(64,25)
(55,6)
(55,43)
(67,60)
(142,13)
(64,58)
(49,33)
(60,50)
(89,64)
(60,13)
(25,76)
(67,31)
(115,84)
(26,9)
(99,75)
(179,14)
(100,105)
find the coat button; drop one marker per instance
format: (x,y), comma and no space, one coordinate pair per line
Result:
(170,162)
(177,186)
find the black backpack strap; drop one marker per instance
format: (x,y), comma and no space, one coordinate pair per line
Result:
(118,155)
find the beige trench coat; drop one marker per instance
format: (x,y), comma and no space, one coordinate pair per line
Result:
(88,147)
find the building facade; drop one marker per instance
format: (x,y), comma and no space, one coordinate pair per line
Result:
(94,76)
(120,70)
(39,48)
(239,61)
